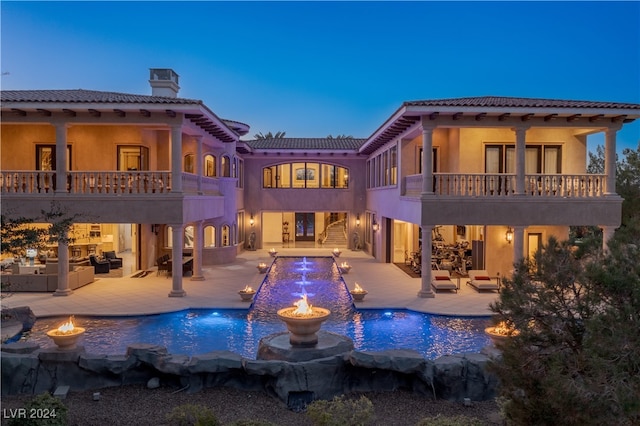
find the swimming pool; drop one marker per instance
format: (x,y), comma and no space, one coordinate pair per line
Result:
(197,331)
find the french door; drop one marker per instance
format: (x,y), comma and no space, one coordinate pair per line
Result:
(305,226)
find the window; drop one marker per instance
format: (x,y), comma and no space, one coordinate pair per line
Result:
(305,175)
(209,236)
(538,159)
(226,166)
(241,231)
(240,181)
(225,236)
(46,157)
(189,161)
(187,239)
(132,157)
(393,178)
(209,165)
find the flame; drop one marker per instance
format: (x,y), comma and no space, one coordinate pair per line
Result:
(248,289)
(272,250)
(358,289)
(262,265)
(67,327)
(303,308)
(335,250)
(503,329)
(344,265)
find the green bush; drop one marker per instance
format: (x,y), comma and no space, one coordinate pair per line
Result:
(192,415)
(450,421)
(42,410)
(341,411)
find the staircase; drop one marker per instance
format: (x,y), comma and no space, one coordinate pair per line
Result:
(335,235)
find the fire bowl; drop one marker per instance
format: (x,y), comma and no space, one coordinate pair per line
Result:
(496,338)
(66,341)
(344,269)
(246,296)
(358,296)
(303,327)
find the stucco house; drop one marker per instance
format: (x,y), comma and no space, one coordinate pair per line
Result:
(456,183)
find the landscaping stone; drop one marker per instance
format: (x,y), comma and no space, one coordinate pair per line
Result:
(20,347)
(215,362)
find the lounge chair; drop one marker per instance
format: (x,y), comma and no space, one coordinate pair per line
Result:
(480,280)
(441,280)
(100,266)
(114,262)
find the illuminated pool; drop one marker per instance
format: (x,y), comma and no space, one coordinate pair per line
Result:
(197,331)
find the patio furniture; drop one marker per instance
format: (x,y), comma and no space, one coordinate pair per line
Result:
(480,280)
(100,266)
(441,280)
(163,264)
(114,262)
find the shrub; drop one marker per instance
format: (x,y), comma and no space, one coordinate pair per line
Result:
(42,410)
(450,421)
(341,411)
(192,415)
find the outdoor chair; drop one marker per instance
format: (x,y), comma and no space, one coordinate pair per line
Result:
(441,280)
(100,266)
(163,264)
(114,262)
(480,280)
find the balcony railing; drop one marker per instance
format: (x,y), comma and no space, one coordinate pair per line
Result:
(502,185)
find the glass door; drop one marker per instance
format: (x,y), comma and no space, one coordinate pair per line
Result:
(305,226)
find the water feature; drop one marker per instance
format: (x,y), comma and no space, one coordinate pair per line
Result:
(202,330)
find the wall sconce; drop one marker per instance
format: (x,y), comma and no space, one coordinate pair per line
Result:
(375,226)
(251,221)
(509,235)
(357,220)
(155,228)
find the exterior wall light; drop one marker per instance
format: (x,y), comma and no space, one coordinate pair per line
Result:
(509,235)
(375,226)
(358,220)
(251,221)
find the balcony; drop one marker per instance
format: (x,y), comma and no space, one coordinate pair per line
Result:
(503,185)
(129,183)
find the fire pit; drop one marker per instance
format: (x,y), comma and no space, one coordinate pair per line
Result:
(272,252)
(66,336)
(500,332)
(336,252)
(303,322)
(246,294)
(358,293)
(344,268)
(262,267)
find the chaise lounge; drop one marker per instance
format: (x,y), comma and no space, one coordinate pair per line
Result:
(480,280)
(441,280)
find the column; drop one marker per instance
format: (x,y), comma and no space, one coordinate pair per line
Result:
(607,234)
(518,243)
(199,160)
(176,159)
(63,268)
(521,147)
(61,158)
(427,157)
(610,160)
(197,251)
(176,255)
(425,289)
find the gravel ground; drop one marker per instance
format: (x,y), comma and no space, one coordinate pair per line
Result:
(137,405)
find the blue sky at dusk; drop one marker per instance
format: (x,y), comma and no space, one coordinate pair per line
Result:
(318,68)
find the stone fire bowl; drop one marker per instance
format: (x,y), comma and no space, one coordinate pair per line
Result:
(358,296)
(246,295)
(303,328)
(66,342)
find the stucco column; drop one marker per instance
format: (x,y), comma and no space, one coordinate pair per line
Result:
(518,243)
(63,269)
(61,157)
(176,255)
(427,157)
(610,160)
(176,159)
(607,234)
(199,160)
(425,275)
(521,146)
(197,252)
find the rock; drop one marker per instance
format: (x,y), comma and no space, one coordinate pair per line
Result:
(174,364)
(21,347)
(149,354)
(10,329)
(215,362)
(449,376)
(22,314)
(153,383)
(106,364)
(401,360)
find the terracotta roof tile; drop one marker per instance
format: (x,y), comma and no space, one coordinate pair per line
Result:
(510,102)
(306,143)
(87,96)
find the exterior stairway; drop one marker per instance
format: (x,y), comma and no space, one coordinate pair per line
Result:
(335,235)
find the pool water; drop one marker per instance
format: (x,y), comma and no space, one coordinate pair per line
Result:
(198,331)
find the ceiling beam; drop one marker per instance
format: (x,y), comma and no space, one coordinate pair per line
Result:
(44,112)
(94,112)
(120,113)
(69,112)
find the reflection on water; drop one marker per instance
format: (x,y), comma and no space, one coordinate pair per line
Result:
(202,330)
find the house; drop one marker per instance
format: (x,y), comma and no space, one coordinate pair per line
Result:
(485,179)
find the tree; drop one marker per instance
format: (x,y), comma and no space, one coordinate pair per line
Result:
(269,135)
(340,137)
(576,358)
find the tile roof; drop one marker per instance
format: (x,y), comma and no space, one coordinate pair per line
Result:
(87,96)
(306,143)
(510,102)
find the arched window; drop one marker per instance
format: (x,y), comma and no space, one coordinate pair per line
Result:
(226,166)
(209,165)
(209,236)
(189,163)
(225,236)
(187,237)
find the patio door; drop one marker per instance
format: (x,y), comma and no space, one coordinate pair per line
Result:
(305,227)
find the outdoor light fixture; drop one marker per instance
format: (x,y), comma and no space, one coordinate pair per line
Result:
(509,235)
(251,221)
(375,226)
(358,220)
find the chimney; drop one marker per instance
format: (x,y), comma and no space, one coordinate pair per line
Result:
(164,82)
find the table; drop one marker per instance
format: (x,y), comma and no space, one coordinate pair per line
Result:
(187,265)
